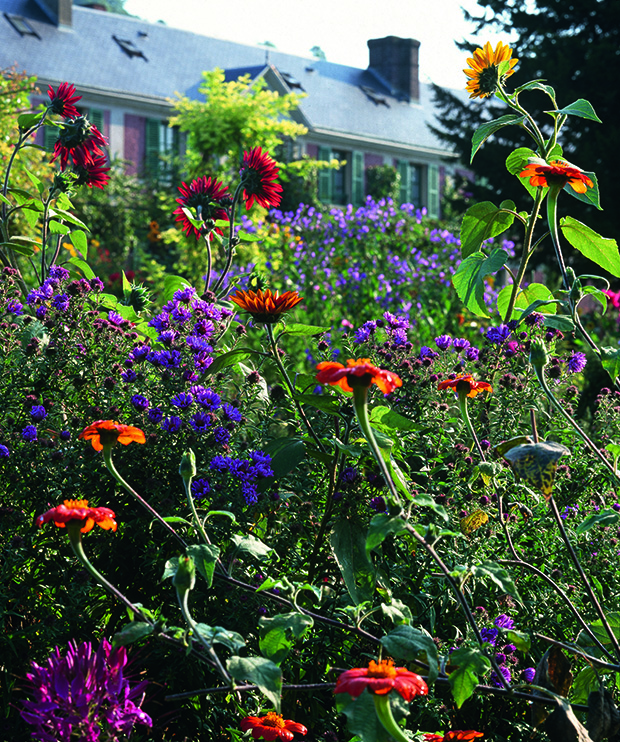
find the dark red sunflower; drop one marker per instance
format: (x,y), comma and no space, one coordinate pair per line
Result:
(204,197)
(78,510)
(272,727)
(62,100)
(359,372)
(266,306)
(557,173)
(107,432)
(381,678)
(258,173)
(90,172)
(78,140)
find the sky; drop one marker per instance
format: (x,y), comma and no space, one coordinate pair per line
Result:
(340,27)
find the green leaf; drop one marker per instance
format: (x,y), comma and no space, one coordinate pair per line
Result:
(81,243)
(520,639)
(5,200)
(601,250)
(469,278)
(348,542)
(596,294)
(497,574)
(279,633)
(261,672)
(591,196)
(586,681)
(230,359)
(397,611)
(581,108)
(245,236)
(304,330)
(390,419)
(381,526)
(610,358)
(20,249)
(69,217)
(471,663)
(132,632)
(516,162)
(172,284)
(286,455)
(535,292)
(205,558)
(58,228)
(26,120)
(362,720)
(559,322)
(537,85)
(483,132)
(606,518)
(170,568)
(426,501)
(613,619)
(328,404)
(252,546)
(31,216)
(483,221)
(218,635)
(409,644)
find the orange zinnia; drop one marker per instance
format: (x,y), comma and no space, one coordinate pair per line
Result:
(272,727)
(458,734)
(357,373)
(266,306)
(483,69)
(465,382)
(78,510)
(381,678)
(107,432)
(557,173)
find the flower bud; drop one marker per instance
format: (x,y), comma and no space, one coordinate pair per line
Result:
(538,354)
(187,469)
(185,577)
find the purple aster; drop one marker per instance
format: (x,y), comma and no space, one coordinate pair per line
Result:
(78,694)
(400,323)
(201,421)
(510,649)
(378,504)
(199,344)
(472,354)
(498,335)
(204,327)
(534,320)
(172,424)
(504,622)
(200,488)
(169,358)
(139,402)
(576,363)
(494,679)
(167,337)
(140,352)
(460,344)
(129,375)
(249,492)
(15,307)
(209,400)
(365,331)
(160,322)
(182,400)
(426,352)
(59,273)
(443,342)
(202,361)
(115,318)
(61,302)
(220,463)
(349,475)
(529,674)
(4,452)
(181,314)
(221,435)
(38,413)
(489,635)
(184,295)
(65,435)
(155,414)
(41,312)
(29,433)
(231,413)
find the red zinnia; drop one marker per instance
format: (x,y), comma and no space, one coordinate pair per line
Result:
(61,100)
(458,734)
(557,173)
(381,678)
(258,171)
(107,432)
(462,382)
(272,727)
(266,306)
(78,510)
(78,140)
(357,373)
(204,196)
(90,172)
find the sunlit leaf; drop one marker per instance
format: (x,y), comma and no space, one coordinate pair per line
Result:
(536,463)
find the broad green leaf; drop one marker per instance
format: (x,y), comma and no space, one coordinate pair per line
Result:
(470,663)
(382,525)
(348,542)
(596,294)
(69,217)
(326,403)
(483,221)
(244,236)
(170,568)
(230,359)
(497,574)
(20,249)
(398,612)
(31,216)
(426,501)
(172,284)
(205,558)
(261,672)
(586,681)
(591,196)
(82,264)
(390,419)
(304,330)
(175,519)
(26,120)
(218,635)
(407,643)
(278,634)
(516,162)
(250,545)
(483,132)
(537,85)
(581,108)
(610,358)
(132,632)
(520,639)
(5,200)
(286,455)
(606,518)
(558,321)
(613,619)
(600,250)
(469,278)
(535,292)
(81,243)
(362,719)
(58,228)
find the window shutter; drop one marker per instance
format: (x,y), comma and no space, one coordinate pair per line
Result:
(95,116)
(50,135)
(358,178)
(433,191)
(151,152)
(404,168)
(325,176)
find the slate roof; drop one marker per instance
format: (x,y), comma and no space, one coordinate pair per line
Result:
(88,56)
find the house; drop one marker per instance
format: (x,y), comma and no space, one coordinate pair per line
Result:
(127,70)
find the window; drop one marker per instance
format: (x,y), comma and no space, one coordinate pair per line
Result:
(21,25)
(130,49)
(345,185)
(419,185)
(162,144)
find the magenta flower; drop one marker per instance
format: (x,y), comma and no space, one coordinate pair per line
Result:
(79,694)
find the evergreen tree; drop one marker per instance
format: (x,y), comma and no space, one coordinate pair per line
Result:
(575,47)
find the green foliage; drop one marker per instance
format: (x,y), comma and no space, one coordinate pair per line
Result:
(383,181)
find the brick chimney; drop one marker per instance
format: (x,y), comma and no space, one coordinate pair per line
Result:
(58,11)
(396,61)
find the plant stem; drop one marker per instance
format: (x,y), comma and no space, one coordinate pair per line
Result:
(468,423)
(384,714)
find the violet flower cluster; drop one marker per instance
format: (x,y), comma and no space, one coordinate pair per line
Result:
(84,695)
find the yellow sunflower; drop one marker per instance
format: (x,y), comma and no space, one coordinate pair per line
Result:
(484,72)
